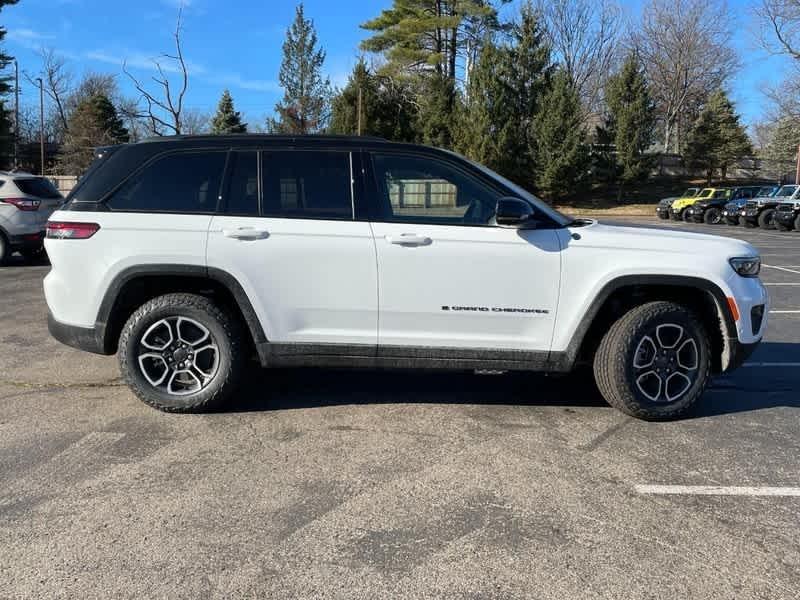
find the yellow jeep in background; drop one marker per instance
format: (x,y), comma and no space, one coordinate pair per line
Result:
(678,208)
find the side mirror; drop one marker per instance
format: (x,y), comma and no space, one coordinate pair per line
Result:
(513,212)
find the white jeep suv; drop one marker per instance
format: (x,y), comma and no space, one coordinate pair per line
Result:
(183,255)
(26,203)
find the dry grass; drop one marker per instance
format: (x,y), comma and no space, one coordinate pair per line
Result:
(626,210)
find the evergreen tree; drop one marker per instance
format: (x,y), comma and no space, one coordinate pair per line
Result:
(6,122)
(435,121)
(562,158)
(227,120)
(717,138)
(502,98)
(92,124)
(306,101)
(422,36)
(386,107)
(631,121)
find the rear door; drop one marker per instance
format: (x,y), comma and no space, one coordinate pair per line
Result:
(289,236)
(447,275)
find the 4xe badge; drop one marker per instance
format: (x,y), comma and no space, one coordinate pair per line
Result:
(486,309)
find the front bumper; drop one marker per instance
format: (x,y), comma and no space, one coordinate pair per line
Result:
(785,218)
(695,214)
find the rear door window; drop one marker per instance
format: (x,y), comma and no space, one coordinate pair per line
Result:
(241,197)
(307,185)
(186,182)
(38,187)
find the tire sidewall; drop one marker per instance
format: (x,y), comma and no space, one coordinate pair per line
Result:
(141,321)
(713,216)
(765,219)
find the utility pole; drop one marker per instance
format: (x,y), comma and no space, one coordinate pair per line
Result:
(41,121)
(16,114)
(359,111)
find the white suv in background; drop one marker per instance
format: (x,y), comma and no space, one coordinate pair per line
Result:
(188,255)
(26,203)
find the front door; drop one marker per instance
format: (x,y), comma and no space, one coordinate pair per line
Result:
(308,266)
(448,276)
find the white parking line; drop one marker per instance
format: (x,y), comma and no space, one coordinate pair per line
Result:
(774,284)
(716,490)
(784,312)
(782,269)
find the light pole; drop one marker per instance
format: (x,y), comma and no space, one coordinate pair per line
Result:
(16,114)
(41,122)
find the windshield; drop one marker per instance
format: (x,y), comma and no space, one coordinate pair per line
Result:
(691,192)
(766,191)
(707,193)
(721,194)
(524,194)
(786,191)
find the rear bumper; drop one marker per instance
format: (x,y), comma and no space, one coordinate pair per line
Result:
(88,339)
(27,240)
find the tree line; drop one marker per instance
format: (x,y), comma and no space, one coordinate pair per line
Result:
(557,95)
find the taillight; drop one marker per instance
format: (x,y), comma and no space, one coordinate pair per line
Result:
(65,230)
(23,203)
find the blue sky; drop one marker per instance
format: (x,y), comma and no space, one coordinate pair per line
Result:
(237,43)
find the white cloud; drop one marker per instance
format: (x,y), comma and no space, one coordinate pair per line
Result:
(143,62)
(28,38)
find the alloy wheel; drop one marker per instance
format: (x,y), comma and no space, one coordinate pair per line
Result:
(666,363)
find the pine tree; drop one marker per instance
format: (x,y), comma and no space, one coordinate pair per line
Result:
(562,158)
(92,124)
(306,101)
(386,107)
(631,121)
(227,120)
(436,118)
(6,123)
(717,138)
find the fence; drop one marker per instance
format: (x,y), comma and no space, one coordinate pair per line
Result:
(745,169)
(64,183)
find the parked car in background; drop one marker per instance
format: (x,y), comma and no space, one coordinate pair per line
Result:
(759,212)
(709,210)
(787,215)
(663,206)
(732,210)
(26,202)
(678,209)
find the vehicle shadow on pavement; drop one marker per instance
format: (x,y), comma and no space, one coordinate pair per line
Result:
(286,389)
(746,390)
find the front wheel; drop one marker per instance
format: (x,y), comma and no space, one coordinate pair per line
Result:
(182,353)
(713,216)
(766,220)
(685,216)
(654,362)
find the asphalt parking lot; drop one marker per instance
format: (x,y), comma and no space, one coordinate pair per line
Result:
(321,484)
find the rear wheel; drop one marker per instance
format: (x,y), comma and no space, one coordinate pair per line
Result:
(182,353)
(713,216)
(654,362)
(5,250)
(766,220)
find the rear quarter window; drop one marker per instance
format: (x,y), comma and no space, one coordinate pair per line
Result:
(186,182)
(37,186)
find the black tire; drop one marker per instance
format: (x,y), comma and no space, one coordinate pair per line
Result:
(713,216)
(685,216)
(797,223)
(5,249)
(766,219)
(622,383)
(224,330)
(663,216)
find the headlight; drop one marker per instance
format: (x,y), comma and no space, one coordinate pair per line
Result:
(747,267)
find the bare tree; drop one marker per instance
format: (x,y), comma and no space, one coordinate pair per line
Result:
(57,83)
(195,122)
(583,35)
(687,51)
(780,26)
(164,107)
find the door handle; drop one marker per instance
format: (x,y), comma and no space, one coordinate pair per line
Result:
(246,233)
(409,239)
